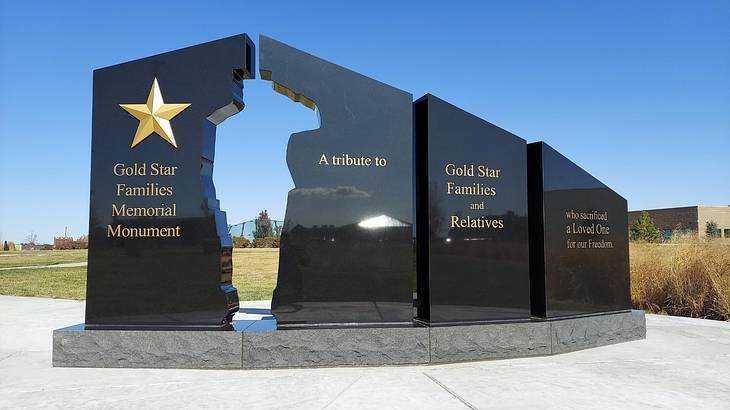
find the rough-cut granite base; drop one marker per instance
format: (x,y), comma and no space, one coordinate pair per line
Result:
(145,348)
(490,341)
(340,347)
(336,347)
(568,335)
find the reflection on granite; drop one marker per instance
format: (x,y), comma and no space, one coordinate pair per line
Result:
(346,247)
(261,325)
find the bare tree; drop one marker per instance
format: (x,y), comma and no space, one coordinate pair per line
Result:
(32,238)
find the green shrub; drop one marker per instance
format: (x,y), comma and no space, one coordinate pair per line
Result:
(264,227)
(268,242)
(241,242)
(644,229)
(711,230)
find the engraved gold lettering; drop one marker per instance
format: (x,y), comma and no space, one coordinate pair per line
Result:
(149,189)
(467,170)
(162,170)
(159,211)
(475,189)
(479,222)
(121,231)
(122,170)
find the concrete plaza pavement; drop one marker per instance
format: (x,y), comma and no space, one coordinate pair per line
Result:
(683,363)
(58,265)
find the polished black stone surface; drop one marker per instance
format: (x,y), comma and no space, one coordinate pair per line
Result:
(347,244)
(471,213)
(178,274)
(579,254)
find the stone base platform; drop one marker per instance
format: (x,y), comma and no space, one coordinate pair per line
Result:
(257,345)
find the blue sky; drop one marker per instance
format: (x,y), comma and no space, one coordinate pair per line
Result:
(637,93)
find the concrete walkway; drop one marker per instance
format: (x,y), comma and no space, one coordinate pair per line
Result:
(683,363)
(58,265)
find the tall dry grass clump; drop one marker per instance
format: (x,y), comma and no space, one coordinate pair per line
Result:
(685,276)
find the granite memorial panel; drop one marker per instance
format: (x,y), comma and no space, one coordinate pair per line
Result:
(346,254)
(579,257)
(471,213)
(159,249)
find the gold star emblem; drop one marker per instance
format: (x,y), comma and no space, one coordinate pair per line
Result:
(154,116)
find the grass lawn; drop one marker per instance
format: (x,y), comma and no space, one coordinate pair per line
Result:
(685,277)
(254,274)
(60,283)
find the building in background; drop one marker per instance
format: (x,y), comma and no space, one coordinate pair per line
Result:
(68,242)
(688,219)
(60,242)
(247,229)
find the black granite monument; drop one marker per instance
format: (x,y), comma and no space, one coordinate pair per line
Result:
(347,243)
(471,217)
(159,249)
(579,258)
(160,257)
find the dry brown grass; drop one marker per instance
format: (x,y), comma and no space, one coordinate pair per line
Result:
(684,277)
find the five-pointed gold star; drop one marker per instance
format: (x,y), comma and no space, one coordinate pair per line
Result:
(154,116)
